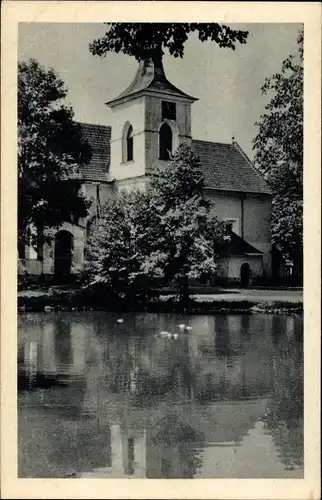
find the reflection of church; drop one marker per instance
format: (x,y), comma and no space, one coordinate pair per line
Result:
(221,389)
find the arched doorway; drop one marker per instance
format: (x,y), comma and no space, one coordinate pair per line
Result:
(245,273)
(64,245)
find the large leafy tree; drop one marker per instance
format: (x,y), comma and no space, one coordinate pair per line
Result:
(148,40)
(50,150)
(167,234)
(191,236)
(279,154)
(118,244)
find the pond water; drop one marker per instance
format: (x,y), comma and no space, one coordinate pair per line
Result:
(98,398)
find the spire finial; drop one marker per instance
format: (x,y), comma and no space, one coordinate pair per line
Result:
(154,66)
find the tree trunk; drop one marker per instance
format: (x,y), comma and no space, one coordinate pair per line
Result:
(184,291)
(298,267)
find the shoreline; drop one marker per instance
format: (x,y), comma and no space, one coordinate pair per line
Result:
(221,303)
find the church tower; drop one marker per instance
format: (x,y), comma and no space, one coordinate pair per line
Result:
(150,119)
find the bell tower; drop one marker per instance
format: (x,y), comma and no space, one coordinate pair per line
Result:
(150,119)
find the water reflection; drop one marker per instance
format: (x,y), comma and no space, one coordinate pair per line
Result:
(103,399)
(285,408)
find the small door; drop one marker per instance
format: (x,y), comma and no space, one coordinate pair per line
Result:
(64,243)
(245,273)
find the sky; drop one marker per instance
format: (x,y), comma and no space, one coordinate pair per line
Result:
(227,83)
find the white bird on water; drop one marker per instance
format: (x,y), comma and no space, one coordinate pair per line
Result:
(184,328)
(167,335)
(120,320)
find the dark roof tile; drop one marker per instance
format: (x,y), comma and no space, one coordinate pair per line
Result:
(227,168)
(99,139)
(237,246)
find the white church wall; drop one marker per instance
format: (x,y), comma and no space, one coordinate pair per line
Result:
(257,227)
(78,251)
(255,262)
(226,205)
(132,112)
(257,219)
(253,215)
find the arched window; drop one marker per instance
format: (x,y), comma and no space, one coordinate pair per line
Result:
(129,144)
(165,142)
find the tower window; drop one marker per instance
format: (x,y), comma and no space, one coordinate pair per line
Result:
(129,144)
(169,111)
(165,141)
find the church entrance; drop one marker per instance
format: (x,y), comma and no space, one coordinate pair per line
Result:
(64,243)
(245,274)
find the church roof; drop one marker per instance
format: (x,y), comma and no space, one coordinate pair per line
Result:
(237,246)
(226,167)
(150,76)
(99,139)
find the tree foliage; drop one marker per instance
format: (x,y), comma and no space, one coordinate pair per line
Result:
(153,238)
(148,40)
(50,150)
(279,153)
(191,234)
(118,244)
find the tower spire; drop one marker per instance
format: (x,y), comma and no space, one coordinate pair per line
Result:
(150,75)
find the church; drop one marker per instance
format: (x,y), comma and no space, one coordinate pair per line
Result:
(150,119)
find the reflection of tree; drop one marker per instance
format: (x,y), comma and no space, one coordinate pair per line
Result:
(173,447)
(285,416)
(149,368)
(129,469)
(66,401)
(218,369)
(277,328)
(63,345)
(124,366)
(222,338)
(82,447)
(245,329)
(148,373)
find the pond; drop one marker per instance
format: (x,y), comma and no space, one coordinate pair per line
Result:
(102,398)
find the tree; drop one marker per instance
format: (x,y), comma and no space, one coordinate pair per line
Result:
(164,235)
(148,40)
(190,236)
(50,150)
(118,244)
(279,155)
